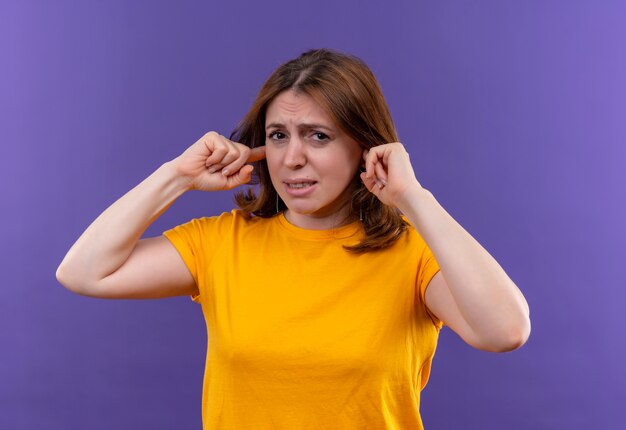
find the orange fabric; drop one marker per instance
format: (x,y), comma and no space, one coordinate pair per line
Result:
(302,333)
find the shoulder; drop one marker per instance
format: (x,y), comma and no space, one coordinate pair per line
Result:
(412,237)
(225,223)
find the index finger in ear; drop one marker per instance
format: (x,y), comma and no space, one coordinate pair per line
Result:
(371,159)
(256,154)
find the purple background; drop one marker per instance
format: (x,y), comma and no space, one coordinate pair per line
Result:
(515,118)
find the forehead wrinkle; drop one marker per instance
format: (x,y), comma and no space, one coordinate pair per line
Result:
(301,126)
(293,111)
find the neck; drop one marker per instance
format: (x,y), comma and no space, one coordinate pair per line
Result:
(337,219)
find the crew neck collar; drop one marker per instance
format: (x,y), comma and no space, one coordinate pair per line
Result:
(342,232)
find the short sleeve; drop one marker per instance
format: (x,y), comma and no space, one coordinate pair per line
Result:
(196,242)
(427,269)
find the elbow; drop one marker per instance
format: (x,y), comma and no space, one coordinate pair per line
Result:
(63,277)
(512,338)
(67,277)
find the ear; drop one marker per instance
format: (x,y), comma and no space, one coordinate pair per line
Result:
(362,164)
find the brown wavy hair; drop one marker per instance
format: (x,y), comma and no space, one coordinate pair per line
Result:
(347,89)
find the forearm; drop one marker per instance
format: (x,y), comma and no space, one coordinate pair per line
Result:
(485,295)
(109,240)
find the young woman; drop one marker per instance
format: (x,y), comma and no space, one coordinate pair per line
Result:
(324,293)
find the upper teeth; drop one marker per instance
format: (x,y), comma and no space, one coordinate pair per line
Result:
(300,185)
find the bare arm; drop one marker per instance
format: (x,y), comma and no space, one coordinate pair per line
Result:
(472,294)
(110,261)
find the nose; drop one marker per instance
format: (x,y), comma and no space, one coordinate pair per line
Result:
(295,155)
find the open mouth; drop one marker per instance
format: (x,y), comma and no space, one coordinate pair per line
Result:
(300,185)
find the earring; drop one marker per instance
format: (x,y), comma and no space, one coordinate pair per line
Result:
(360,213)
(277,198)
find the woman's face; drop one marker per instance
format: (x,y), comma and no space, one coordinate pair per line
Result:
(311,161)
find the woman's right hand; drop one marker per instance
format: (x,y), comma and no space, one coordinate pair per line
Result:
(215,163)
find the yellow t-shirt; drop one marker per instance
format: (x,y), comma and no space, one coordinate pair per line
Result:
(303,334)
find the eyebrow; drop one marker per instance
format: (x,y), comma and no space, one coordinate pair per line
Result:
(305,126)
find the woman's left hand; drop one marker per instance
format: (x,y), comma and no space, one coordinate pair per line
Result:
(389,174)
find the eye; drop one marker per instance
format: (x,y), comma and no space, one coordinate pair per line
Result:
(276,135)
(321,137)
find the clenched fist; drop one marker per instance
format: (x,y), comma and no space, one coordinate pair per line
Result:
(215,163)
